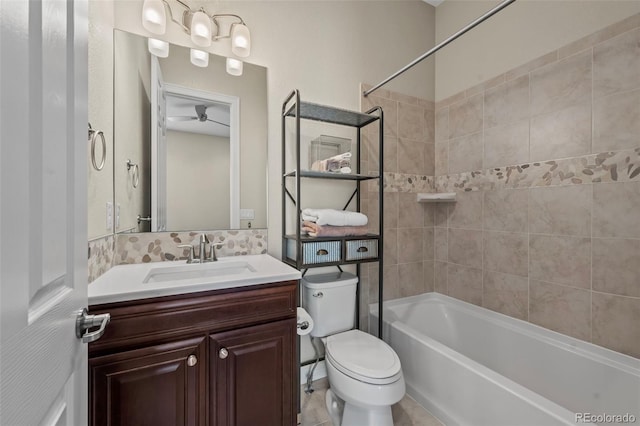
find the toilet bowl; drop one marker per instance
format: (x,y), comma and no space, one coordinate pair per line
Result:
(365,376)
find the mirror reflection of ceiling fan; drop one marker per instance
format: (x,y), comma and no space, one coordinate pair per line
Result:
(201,115)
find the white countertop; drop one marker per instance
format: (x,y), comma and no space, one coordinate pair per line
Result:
(127,282)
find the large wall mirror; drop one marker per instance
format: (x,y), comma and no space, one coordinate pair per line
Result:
(190,143)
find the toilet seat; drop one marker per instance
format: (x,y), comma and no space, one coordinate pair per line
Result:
(363,357)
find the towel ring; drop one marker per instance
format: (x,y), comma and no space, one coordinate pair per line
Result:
(93,135)
(136,172)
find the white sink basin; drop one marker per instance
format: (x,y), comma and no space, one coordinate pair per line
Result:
(195,270)
(145,280)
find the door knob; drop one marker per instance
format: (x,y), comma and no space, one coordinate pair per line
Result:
(223,353)
(84,322)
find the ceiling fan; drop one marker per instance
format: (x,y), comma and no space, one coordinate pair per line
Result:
(201,115)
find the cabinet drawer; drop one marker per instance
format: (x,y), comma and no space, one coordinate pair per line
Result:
(361,249)
(314,253)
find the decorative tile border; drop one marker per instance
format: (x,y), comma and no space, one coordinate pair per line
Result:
(163,246)
(101,254)
(620,166)
(403,182)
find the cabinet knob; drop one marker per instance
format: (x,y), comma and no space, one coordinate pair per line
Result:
(223,353)
(192,360)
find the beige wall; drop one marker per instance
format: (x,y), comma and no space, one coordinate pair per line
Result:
(197,167)
(523,31)
(323,48)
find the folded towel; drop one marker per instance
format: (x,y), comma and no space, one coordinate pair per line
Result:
(340,163)
(315,230)
(334,217)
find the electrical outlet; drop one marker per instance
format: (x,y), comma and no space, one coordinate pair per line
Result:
(109,216)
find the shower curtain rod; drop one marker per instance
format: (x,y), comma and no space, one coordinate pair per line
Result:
(473,24)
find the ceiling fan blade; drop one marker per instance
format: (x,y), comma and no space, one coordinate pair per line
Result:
(218,122)
(182,118)
(201,110)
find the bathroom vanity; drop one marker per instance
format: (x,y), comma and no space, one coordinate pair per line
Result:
(224,356)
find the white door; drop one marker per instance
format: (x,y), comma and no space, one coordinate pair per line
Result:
(43,223)
(158,148)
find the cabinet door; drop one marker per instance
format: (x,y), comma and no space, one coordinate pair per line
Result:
(154,386)
(252,375)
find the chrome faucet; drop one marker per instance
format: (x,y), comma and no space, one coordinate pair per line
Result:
(191,255)
(202,254)
(203,248)
(212,255)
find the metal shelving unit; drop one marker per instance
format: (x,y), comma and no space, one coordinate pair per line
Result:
(304,252)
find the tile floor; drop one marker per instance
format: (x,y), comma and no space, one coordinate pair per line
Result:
(405,413)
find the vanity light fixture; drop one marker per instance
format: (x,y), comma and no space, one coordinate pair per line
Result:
(158,47)
(203,28)
(154,17)
(240,40)
(199,58)
(234,66)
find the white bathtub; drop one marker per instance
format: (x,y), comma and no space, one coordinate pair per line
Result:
(471,366)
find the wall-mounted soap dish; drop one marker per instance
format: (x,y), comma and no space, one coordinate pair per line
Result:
(443,197)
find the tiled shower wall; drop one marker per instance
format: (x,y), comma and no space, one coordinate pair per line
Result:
(408,226)
(554,240)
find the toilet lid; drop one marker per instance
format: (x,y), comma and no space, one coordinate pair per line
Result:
(363,357)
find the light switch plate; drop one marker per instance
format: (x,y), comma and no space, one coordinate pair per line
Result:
(109,216)
(247,214)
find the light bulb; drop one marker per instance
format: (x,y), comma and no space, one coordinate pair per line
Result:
(158,47)
(199,58)
(154,17)
(234,66)
(240,40)
(201,29)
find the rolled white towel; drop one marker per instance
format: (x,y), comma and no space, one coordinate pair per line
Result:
(334,217)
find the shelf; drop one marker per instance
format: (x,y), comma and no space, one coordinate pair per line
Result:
(332,115)
(303,252)
(326,175)
(443,197)
(307,238)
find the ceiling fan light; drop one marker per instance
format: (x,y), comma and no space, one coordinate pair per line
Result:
(154,17)
(158,48)
(201,29)
(199,58)
(240,40)
(234,66)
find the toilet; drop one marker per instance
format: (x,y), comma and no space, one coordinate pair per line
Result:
(365,377)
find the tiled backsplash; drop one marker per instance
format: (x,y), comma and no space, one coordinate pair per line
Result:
(546,163)
(163,246)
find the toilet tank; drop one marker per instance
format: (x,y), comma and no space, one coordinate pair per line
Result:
(330,299)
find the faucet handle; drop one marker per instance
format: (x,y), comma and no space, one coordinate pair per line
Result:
(204,239)
(212,253)
(191,252)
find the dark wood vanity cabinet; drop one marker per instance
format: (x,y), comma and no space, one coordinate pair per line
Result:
(222,357)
